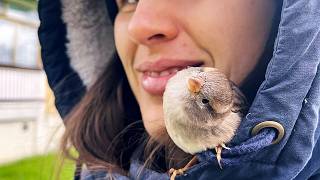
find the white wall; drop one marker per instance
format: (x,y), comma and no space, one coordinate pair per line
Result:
(25,128)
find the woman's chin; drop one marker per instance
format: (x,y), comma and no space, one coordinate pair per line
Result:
(154,125)
(151,108)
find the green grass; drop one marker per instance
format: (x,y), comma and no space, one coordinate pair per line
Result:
(37,168)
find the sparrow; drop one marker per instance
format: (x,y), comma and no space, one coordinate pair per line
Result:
(202,111)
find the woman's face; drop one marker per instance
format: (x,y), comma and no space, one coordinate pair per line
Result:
(156,38)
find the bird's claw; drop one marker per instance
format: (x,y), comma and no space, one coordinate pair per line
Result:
(218,152)
(224,146)
(175,172)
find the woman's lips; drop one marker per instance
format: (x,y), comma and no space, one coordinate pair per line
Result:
(156,74)
(155,82)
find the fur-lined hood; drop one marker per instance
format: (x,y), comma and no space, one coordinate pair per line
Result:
(76,38)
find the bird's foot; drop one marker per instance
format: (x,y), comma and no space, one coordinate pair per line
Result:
(175,172)
(218,152)
(224,146)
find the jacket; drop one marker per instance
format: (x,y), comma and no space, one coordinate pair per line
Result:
(76,37)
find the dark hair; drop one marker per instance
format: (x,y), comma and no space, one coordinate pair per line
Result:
(105,111)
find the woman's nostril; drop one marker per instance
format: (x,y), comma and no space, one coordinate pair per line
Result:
(156,36)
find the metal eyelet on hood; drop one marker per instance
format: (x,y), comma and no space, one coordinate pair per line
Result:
(270,124)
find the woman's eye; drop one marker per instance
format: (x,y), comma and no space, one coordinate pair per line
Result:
(131,1)
(127,5)
(205,101)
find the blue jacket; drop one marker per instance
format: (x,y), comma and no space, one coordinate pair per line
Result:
(289,95)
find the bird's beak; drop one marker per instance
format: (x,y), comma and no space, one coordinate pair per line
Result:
(194,85)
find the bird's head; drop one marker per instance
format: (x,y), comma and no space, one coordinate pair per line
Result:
(203,92)
(210,89)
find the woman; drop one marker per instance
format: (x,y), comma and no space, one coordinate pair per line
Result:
(155,38)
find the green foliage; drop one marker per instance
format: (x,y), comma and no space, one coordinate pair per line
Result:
(25,5)
(38,168)
(31,1)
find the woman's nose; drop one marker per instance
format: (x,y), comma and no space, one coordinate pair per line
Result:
(151,23)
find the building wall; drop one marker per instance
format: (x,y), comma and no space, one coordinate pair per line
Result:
(29,123)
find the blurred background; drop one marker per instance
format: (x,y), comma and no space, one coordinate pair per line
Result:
(30,127)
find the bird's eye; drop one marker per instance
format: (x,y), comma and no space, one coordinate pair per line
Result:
(205,101)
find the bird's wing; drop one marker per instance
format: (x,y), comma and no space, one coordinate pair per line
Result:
(240,103)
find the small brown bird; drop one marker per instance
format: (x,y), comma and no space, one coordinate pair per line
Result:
(202,110)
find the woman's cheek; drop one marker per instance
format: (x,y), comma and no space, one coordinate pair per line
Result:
(126,50)
(125,47)
(120,34)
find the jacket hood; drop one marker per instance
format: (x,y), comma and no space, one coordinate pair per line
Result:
(76,37)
